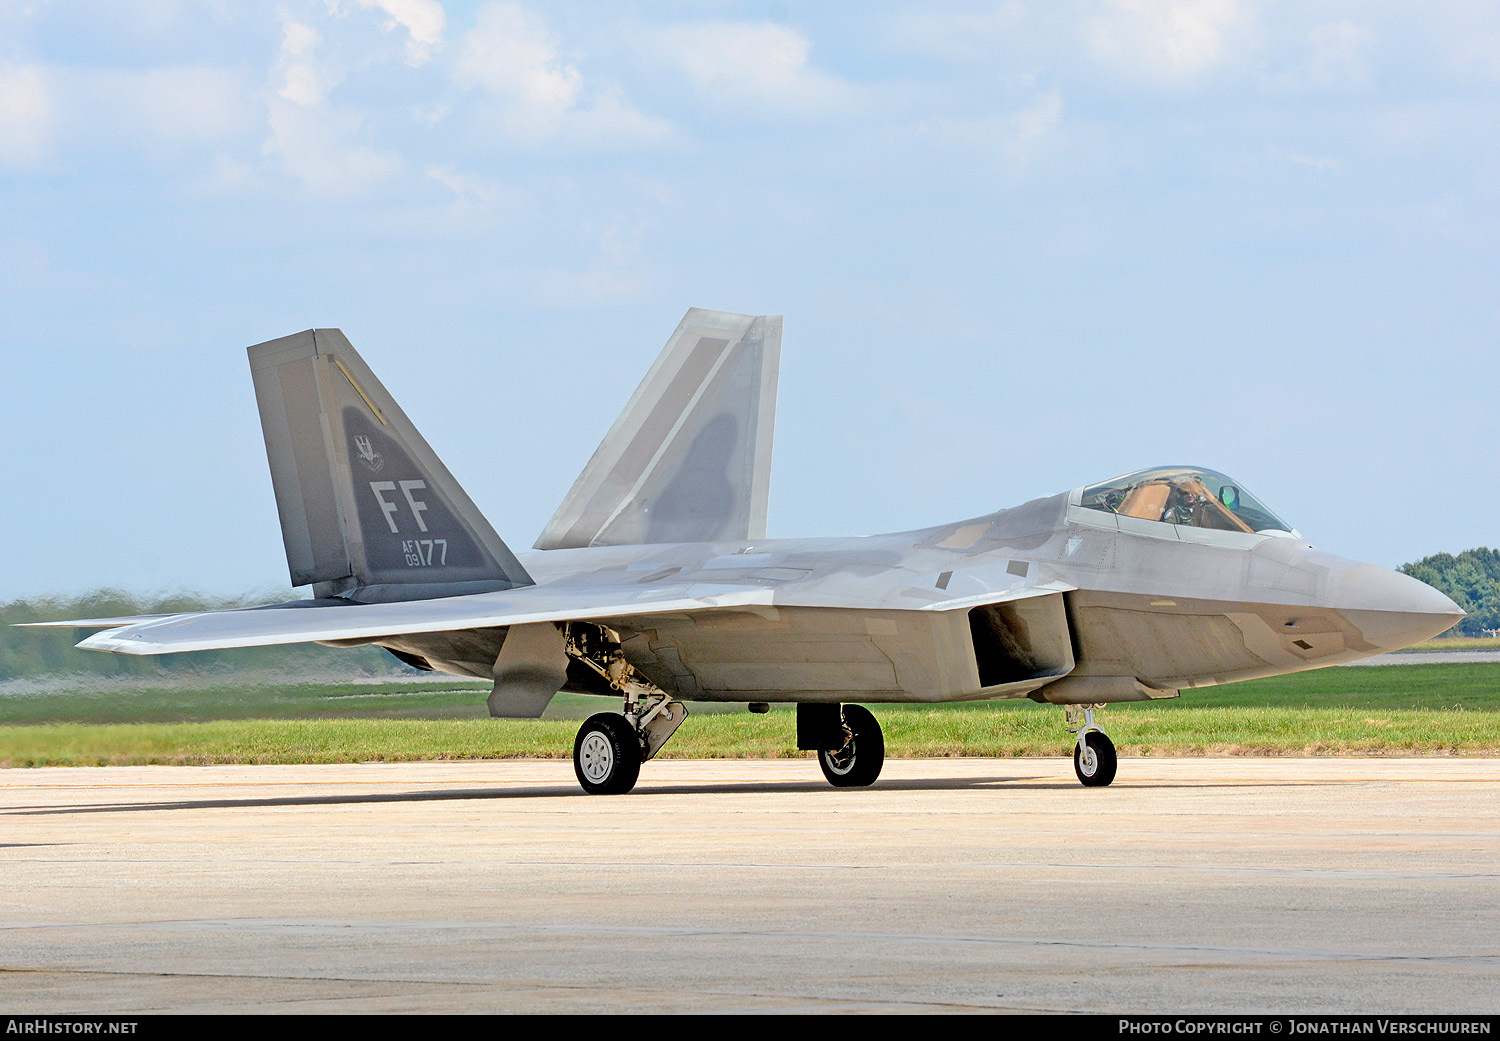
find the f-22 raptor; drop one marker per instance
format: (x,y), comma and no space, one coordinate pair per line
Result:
(655,583)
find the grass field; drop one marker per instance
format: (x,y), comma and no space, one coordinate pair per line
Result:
(1457,643)
(1446,709)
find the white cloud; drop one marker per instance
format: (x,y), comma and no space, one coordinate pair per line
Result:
(182,104)
(607,263)
(1015,138)
(609,120)
(959,35)
(431,115)
(511,53)
(1339,55)
(26,110)
(298,39)
(424,21)
(228,175)
(316,143)
(1032,125)
(1424,125)
(469,191)
(1165,40)
(752,65)
(49,110)
(1323,163)
(317,147)
(302,81)
(513,56)
(601,284)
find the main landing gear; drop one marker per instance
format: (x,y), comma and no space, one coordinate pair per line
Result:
(609,749)
(607,755)
(850,747)
(1094,758)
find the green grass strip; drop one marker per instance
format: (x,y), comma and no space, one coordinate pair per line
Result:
(1458,643)
(1141,730)
(1468,685)
(1388,710)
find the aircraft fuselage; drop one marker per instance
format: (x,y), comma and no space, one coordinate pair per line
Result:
(1114,609)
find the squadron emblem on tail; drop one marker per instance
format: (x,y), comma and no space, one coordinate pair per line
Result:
(367,454)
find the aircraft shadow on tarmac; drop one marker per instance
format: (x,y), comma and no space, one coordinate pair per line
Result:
(646,790)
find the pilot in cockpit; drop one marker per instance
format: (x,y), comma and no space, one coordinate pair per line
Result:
(1183,496)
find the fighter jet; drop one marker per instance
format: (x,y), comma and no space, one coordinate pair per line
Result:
(655,584)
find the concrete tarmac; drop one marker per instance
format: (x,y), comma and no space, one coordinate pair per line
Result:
(1190,885)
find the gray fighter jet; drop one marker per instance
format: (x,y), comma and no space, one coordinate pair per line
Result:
(654,583)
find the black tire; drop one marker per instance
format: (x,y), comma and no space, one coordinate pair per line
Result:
(858,762)
(607,755)
(1098,768)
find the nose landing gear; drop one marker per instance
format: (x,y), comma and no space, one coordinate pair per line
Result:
(1094,759)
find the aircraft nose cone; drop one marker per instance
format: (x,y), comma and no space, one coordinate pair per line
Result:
(1391,609)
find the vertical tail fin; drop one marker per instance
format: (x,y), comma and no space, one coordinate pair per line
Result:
(366,508)
(689,460)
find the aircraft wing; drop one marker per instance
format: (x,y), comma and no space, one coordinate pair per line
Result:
(309,621)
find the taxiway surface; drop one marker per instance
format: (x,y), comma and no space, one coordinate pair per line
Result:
(1228,885)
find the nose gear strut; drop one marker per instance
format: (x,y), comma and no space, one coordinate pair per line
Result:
(1094,759)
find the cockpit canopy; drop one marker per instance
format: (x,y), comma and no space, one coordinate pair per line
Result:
(1184,495)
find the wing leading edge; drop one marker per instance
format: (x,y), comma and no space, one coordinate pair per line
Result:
(308,621)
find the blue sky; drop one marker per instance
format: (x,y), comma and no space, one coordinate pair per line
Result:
(1019,246)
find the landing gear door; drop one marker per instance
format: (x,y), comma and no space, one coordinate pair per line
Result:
(661,725)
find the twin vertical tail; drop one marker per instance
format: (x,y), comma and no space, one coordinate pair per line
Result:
(368,511)
(689,460)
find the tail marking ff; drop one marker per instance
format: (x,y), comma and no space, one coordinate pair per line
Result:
(367,509)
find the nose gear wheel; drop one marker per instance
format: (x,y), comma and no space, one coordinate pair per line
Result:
(1094,758)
